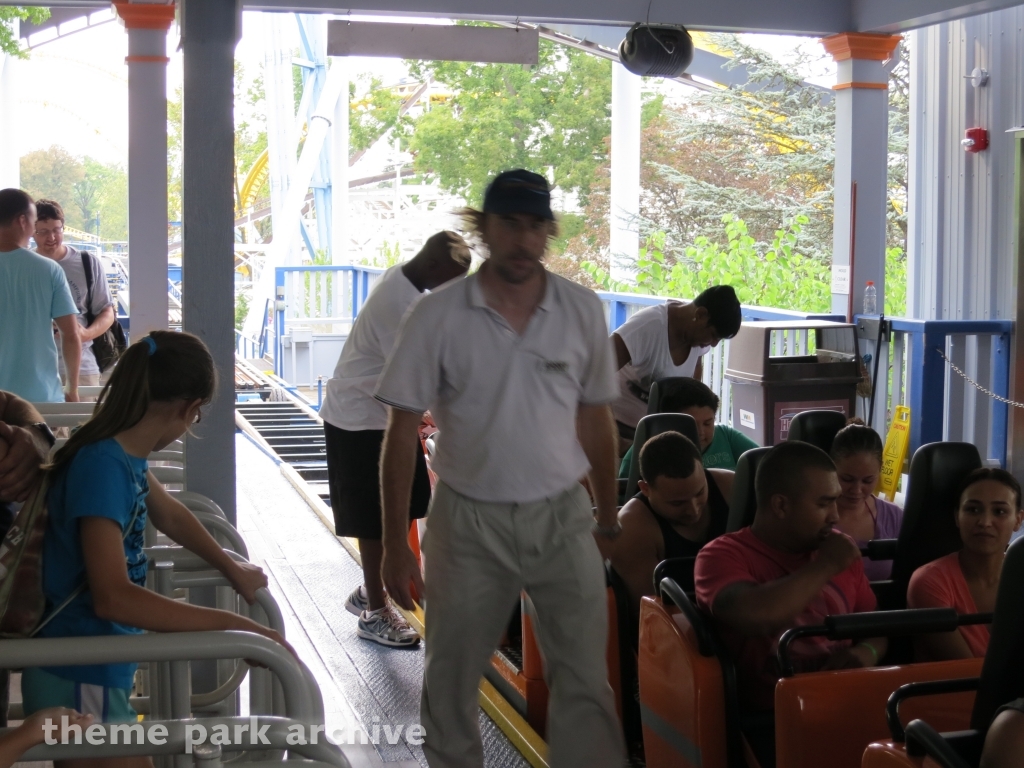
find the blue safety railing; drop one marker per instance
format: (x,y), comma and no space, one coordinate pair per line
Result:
(325,300)
(943,404)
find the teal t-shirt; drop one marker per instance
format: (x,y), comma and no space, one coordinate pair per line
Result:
(725,450)
(33,293)
(102,481)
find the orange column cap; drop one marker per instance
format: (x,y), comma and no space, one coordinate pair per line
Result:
(145,15)
(860,45)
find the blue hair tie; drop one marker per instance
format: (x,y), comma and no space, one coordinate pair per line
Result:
(152,345)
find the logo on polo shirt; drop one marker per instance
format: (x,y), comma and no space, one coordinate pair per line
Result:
(554,366)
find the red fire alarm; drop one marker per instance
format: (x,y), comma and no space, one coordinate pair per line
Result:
(975,140)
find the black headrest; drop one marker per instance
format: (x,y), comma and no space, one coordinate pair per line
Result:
(1002,675)
(929,529)
(651,425)
(743,504)
(679,569)
(818,428)
(657,389)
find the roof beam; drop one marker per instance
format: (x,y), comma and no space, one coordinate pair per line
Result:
(803,17)
(887,16)
(798,17)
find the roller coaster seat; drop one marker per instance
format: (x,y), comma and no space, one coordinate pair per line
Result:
(651,425)
(532,686)
(818,428)
(683,689)
(929,529)
(658,390)
(687,685)
(1001,681)
(743,504)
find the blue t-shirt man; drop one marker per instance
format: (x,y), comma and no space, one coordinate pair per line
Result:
(33,293)
(102,481)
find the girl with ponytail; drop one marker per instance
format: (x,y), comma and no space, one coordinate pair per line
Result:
(100,496)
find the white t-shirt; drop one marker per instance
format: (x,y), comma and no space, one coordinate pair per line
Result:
(74,270)
(645,335)
(349,402)
(505,404)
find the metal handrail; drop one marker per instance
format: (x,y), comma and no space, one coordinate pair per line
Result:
(303,701)
(196,501)
(216,524)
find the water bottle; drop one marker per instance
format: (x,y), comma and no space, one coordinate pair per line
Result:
(870,299)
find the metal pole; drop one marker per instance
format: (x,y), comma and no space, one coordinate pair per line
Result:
(10,163)
(147,26)
(624,243)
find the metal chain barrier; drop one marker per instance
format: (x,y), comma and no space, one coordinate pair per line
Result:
(976,385)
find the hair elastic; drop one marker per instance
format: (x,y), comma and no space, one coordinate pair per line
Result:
(151,342)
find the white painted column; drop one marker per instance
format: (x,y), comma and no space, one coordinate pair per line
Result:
(624,243)
(862,151)
(281,133)
(339,169)
(147,25)
(10,169)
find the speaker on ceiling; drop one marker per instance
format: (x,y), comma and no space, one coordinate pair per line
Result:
(656,50)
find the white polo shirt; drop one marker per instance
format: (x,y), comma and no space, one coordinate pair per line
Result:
(349,402)
(505,404)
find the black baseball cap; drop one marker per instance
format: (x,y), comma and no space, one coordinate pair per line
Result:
(519,191)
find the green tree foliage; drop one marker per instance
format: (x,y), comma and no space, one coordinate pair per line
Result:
(89,191)
(764,155)
(553,116)
(8,42)
(373,115)
(774,276)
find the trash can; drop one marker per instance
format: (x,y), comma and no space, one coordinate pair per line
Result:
(771,383)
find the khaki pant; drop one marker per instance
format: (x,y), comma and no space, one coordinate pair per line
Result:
(86,380)
(478,557)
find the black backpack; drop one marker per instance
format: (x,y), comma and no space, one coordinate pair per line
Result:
(110,345)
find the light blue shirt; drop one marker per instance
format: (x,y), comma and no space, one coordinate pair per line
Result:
(33,293)
(101,481)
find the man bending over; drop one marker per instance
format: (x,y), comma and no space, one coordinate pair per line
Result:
(789,568)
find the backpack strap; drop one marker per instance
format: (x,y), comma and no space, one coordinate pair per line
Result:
(87,263)
(85,582)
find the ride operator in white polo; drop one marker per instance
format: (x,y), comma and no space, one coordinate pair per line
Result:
(515,366)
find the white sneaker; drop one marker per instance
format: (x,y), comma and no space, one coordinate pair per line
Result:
(357,602)
(387,627)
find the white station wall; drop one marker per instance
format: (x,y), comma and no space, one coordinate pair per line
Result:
(961,239)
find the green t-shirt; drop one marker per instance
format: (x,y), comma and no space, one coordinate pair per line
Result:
(725,450)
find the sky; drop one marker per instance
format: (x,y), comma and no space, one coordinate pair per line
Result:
(73,91)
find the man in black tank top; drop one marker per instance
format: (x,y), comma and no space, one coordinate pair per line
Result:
(681,506)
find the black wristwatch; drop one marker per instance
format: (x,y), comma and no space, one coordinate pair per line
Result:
(43,428)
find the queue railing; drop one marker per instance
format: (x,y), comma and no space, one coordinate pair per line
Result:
(315,300)
(915,363)
(915,359)
(301,702)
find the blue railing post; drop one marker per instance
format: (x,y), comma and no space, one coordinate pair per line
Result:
(1001,386)
(618,314)
(927,386)
(279,312)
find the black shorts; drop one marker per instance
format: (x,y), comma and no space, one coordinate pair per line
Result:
(353,473)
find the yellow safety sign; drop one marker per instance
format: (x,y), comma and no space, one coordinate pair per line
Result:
(896,444)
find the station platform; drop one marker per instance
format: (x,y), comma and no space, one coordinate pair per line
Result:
(364,685)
